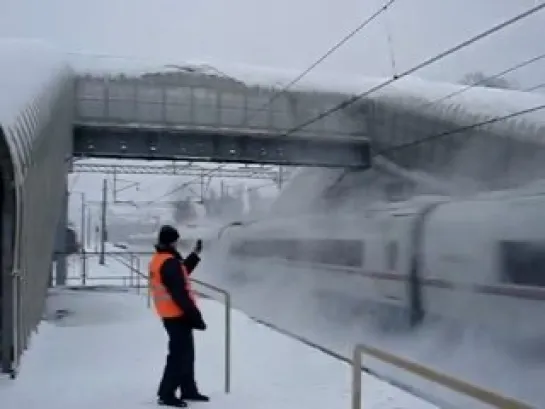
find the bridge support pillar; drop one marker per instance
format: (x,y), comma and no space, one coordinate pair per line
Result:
(60,243)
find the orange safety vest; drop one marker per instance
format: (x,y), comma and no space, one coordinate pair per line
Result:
(164,304)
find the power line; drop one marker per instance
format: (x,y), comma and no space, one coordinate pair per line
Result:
(338,45)
(459,130)
(482,81)
(437,136)
(391,50)
(185,184)
(538,86)
(252,188)
(458,92)
(420,66)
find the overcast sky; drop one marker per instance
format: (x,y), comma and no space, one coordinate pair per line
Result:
(287,34)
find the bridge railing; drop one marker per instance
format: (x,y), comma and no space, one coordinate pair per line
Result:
(492,399)
(137,279)
(140,100)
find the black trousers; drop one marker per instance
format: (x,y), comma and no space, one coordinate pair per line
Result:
(180,364)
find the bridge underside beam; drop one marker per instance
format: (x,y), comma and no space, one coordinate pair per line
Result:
(161,144)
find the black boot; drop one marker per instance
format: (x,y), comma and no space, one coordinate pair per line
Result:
(196,397)
(173,402)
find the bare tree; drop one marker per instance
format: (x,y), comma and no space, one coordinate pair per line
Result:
(184,211)
(480,79)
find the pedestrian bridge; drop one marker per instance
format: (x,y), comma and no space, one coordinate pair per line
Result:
(149,118)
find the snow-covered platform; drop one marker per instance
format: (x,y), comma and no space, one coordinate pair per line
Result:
(102,350)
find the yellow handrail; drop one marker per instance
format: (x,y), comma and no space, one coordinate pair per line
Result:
(494,399)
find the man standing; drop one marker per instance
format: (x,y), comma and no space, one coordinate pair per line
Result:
(176,305)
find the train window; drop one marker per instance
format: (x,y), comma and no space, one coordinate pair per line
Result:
(323,251)
(391,255)
(523,263)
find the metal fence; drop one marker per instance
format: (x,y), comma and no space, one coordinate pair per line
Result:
(85,271)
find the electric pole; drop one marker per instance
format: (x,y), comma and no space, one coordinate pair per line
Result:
(103,221)
(115,186)
(83,230)
(202,187)
(88,229)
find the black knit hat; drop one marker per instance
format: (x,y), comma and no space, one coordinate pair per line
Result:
(168,235)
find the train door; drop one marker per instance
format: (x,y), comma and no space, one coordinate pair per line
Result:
(415,292)
(2,279)
(393,239)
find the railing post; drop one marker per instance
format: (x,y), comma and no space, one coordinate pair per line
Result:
(138,275)
(356,378)
(227,339)
(148,295)
(131,270)
(227,342)
(83,267)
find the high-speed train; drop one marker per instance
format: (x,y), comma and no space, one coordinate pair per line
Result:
(189,234)
(479,260)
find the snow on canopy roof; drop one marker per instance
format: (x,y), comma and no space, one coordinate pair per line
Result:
(31,73)
(26,67)
(456,103)
(469,105)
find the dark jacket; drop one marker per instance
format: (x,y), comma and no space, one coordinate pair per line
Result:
(174,281)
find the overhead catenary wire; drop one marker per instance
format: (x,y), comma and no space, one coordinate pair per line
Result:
(325,56)
(419,66)
(184,185)
(476,125)
(460,129)
(390,43)
(463,128)
(535,87)
(506,71)
(433,137)
(488,78)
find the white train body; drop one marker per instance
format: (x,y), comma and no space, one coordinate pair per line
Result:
(479,261)
(189,234)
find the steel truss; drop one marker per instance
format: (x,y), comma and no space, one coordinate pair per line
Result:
(186,169)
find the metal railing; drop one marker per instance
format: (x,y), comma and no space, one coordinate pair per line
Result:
(131,260)
(487,397)
(134,100)
(227,339)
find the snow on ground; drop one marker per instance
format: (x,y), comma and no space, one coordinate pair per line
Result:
(108,350)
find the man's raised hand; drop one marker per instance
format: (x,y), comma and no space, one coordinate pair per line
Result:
(198,246)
